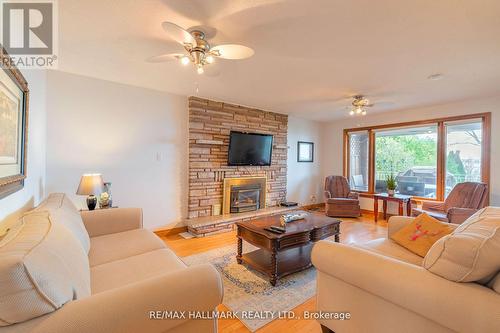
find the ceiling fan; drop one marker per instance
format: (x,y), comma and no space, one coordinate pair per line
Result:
(359,105)
(198,50)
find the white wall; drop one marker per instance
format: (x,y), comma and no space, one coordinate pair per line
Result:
(332,133)
(33,191)
(135,137)
(304,179)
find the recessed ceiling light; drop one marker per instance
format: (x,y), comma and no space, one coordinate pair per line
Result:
(435,77)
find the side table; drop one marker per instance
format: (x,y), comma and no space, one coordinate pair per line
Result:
(401,199)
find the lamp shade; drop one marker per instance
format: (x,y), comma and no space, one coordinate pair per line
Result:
(90,184)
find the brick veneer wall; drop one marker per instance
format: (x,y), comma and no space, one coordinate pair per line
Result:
(209,125)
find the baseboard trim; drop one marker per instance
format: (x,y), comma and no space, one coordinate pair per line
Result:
(313,206)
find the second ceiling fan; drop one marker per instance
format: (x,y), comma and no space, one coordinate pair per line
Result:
(359,105)
(198,50)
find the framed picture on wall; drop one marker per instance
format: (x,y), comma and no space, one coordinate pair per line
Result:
(305,151)
(13,126)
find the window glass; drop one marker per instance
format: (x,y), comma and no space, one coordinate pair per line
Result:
(410,155)
(463,152)
(358,160)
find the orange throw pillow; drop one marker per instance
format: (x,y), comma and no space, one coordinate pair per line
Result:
(421,234)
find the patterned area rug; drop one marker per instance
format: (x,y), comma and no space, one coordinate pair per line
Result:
(248,290)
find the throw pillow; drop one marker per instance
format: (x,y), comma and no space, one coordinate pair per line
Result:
(421,234)
(42,267)
(471,252)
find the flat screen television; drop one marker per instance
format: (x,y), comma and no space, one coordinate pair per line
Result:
(250,148)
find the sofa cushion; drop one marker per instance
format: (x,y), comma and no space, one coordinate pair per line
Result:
(122,272)
(389,248)
(343,201)
(107,248)
(42,267)
(470,253)
(420,234)
(63,211)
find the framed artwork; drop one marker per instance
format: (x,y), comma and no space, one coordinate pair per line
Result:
(13,127)
(305,151)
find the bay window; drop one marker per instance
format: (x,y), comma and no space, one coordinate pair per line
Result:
(427,158)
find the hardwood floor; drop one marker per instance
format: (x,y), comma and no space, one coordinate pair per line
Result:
(352,230)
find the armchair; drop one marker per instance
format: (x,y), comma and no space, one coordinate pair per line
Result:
(464,200)
(339,200)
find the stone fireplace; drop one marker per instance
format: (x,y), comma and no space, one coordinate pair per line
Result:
(244,194)
(210,123)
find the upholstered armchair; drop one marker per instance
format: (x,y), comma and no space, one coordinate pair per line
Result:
(464,200)
(339,200)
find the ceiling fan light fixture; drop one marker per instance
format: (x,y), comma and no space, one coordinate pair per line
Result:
(199,52)
(363,113)
(209,59)
(359,110)
(352,112)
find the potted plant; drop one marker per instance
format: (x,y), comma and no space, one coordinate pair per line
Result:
(391,184)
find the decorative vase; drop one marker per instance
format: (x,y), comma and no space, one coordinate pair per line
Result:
(91,202)
(105,199)
(391,192)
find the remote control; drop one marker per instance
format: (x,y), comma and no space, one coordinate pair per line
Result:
(278,228)
(274,230)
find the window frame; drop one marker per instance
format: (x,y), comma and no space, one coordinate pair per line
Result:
(349,155)
(441,150)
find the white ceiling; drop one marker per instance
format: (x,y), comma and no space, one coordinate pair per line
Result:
(309,55)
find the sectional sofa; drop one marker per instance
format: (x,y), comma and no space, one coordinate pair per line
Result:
(62,270)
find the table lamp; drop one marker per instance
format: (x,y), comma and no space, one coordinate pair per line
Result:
(91,185)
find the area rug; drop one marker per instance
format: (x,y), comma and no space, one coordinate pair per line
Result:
(248,292)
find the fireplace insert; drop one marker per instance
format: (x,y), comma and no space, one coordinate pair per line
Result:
(245,198)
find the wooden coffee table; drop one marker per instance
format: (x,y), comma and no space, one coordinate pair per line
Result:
(282,254)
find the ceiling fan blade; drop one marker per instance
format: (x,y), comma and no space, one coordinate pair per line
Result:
(232,51)
(178,34)
(165,57)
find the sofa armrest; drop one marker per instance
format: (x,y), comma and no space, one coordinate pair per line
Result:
(462,307)
(327,194)
(353,195)
(395,224)
(130,308)
(459,215)
(109,221)
(433,205)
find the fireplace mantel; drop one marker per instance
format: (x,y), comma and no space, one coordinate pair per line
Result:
(241,181)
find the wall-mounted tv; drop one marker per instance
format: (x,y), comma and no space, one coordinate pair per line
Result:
(250,149)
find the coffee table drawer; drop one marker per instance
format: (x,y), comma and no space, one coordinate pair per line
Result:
(294,240)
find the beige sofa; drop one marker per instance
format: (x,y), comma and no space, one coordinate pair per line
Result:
(107,274)
(385,289)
